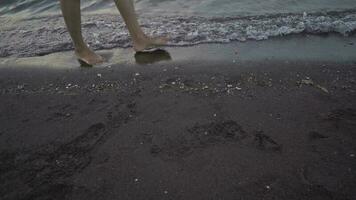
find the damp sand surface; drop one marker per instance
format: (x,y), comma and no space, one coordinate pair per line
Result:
(180,129)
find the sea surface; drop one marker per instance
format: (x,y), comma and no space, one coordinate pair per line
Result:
(36,27)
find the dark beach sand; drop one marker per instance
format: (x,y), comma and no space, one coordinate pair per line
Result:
(213,123)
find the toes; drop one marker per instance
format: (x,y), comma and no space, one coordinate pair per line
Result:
(150,43)
(91,60)
(97,60)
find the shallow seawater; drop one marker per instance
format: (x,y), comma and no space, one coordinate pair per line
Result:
(35,27)
(291,49)
(184,7)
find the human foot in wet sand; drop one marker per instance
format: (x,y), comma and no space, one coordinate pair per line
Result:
(72,18)
(71,13)
(140,40)
(146,43)
(88,56)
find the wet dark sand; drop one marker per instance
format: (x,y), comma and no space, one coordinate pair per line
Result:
(179,130)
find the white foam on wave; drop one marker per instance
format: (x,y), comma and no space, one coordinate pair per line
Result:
(48,34)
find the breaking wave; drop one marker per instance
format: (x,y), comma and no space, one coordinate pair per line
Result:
(44,35)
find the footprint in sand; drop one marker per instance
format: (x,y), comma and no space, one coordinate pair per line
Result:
(198,137)
(266,143)
(314,135)
(202,136)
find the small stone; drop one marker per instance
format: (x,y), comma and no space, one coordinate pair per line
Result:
(352,155)
(165,192)
(136,179)
(268,187)
(137,74)
(99,75)
(322,89)
(307,81)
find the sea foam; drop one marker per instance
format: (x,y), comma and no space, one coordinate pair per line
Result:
(43,35)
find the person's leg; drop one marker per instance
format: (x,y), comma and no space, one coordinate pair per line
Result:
(72,18)
(140,40)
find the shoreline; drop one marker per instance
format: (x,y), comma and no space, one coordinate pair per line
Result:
(330,48)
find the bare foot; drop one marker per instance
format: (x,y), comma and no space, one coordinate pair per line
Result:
(88,56)
(147,43)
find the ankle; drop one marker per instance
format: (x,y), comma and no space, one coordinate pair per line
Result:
(139,38)
(82,49)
